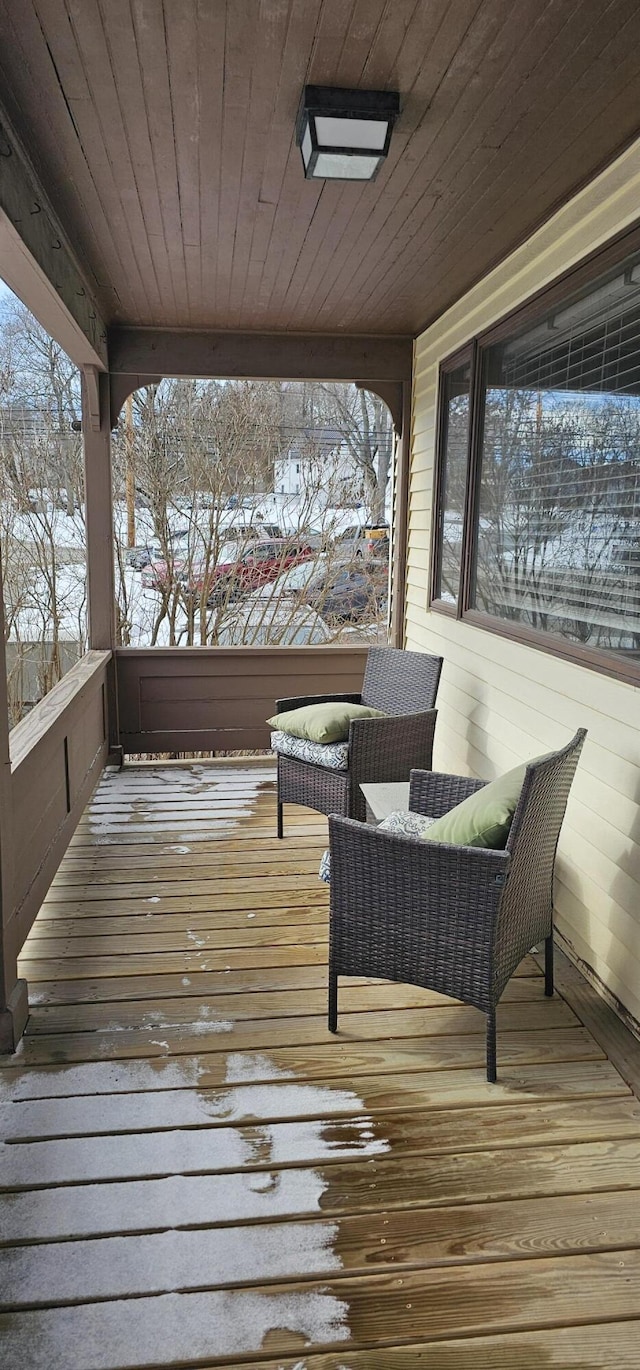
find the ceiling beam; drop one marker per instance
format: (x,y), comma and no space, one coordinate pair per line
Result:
(260,356)
(38,263)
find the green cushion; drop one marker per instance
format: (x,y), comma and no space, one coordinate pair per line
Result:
(322,722)
(484,819)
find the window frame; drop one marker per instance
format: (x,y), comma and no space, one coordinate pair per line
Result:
(464,356)
(555,293)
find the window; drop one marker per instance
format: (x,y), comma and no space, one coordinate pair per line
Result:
(546,544)
(450,498)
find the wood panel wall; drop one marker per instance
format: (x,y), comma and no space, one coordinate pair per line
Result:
(57,755)
(218,698)
(501,702)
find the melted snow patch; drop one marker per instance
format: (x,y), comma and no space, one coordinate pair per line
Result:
(245,1066)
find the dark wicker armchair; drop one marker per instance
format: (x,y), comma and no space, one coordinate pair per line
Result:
(404,685)
(453,919)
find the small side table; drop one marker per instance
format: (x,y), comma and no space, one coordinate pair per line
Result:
(384,798)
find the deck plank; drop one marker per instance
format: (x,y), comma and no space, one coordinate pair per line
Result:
(567,1348)
(194,1171)
(210,1069)
(323,1190)
(215,984)
(210,1258)
(349,1312)
(264,1102)
(118,1042)
(262,1146)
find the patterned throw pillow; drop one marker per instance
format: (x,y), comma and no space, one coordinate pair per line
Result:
(400,821)
(334,756)
(411,824)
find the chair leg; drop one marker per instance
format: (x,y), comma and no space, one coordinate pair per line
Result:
(548,966)
(280,833)
(332,1015)
(491,1047)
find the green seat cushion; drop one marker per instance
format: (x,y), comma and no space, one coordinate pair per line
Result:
(484,819)
(322,722)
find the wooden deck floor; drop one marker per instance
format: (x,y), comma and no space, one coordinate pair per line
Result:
(195,1173)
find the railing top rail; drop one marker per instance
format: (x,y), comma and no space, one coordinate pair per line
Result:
(239,651)
(44,717)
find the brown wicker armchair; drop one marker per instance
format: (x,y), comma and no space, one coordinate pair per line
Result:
(404,685)
(453,919)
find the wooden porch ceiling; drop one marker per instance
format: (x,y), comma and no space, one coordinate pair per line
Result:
(195,1173)
(163,134)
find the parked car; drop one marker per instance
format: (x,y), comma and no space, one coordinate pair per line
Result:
(348,593)
(364,540)
(194,573)
(377,540)
(141,556)
(158,575)
(259,564)
(254,624)
(292,581)
(178,535)
(252,529)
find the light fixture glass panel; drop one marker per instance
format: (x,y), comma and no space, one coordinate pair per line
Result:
(306,146)
(369,133)
(341,167)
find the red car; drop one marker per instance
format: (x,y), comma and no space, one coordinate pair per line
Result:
(157,576)
(260,563)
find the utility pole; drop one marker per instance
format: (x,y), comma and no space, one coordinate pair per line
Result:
(130,484)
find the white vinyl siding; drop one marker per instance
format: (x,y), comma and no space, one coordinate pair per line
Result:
(501,701)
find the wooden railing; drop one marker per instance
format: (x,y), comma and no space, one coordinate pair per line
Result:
(192,699)
(168,699)
(57,754)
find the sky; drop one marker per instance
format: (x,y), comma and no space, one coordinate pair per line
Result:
(5,295)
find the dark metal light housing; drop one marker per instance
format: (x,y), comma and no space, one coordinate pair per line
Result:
(344,135)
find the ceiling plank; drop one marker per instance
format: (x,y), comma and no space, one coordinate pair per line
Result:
(164,137)
(153,57)
(79,96)
(557,52)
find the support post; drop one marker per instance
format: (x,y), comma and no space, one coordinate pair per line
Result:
(96,430)
(14,1005)
(401,523)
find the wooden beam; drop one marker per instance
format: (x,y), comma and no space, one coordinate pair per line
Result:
(121,387)
(259,356)
(38,263)
(99,507)
(401,523)
(14,1007)
(391,394)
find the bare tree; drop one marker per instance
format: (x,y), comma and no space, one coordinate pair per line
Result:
(41,502)
(364,423)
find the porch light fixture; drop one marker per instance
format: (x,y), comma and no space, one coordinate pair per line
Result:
(344,135)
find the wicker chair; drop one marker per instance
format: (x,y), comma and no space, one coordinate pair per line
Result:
(405,685)
(453,919)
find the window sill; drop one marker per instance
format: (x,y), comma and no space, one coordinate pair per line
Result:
(606,664)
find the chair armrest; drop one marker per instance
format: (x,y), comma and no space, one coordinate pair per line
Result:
(433,793)
(393,896)
(299,701)
(386,748)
